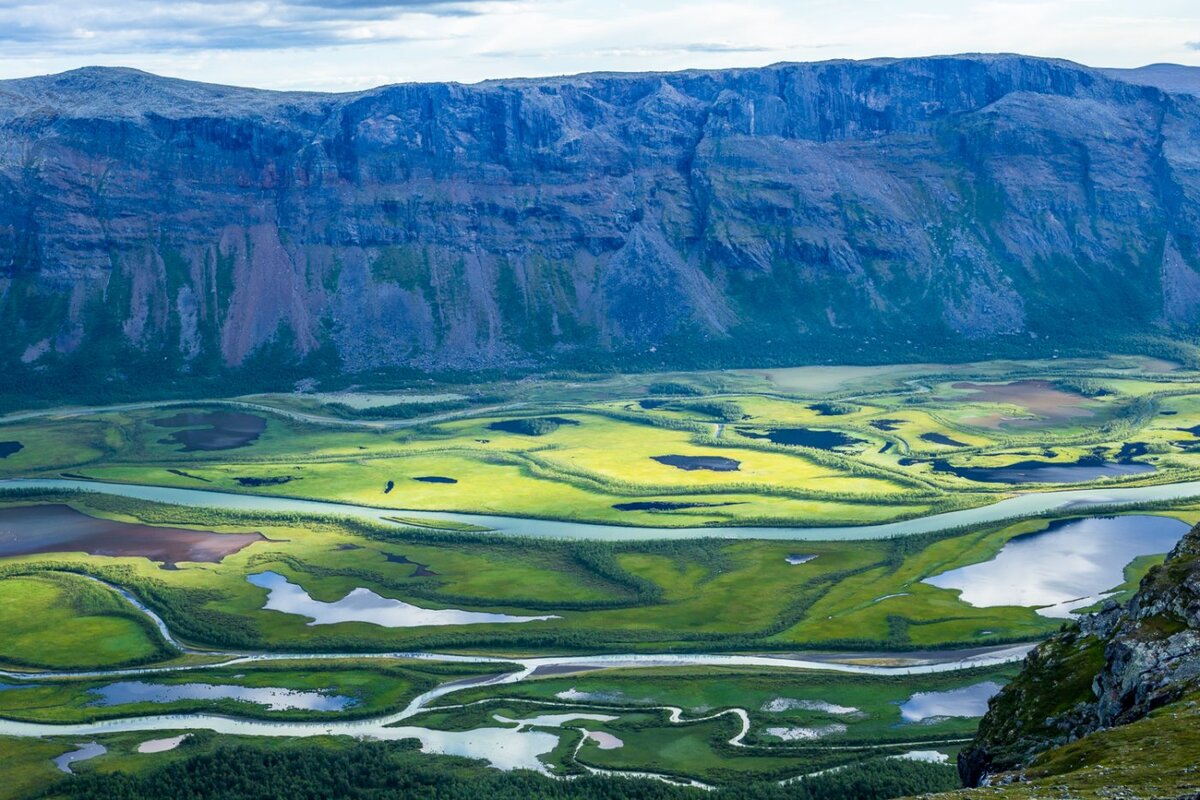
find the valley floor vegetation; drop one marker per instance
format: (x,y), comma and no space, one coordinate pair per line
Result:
(116,608)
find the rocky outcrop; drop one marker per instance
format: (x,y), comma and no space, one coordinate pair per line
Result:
(810,211)
(1113,668)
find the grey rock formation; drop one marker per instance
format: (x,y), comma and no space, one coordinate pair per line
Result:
(1114,668)
(804,210)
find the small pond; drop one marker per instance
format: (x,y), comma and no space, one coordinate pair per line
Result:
(1069,565)
(272,698)
(691,463)
(25,530)
(162,745)
(435,479)
(421,571)
(942,439)
(217,430)
(1044,471)
(806,734)
(799,558)
(531,426)
(9,448)
(969,701)
(806,437)
(781,704)
(364,605)
(85,751)
(666,505)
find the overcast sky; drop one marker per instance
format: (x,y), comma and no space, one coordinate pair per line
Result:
(352,44)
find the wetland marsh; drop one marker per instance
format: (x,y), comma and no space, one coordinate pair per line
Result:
(705,577)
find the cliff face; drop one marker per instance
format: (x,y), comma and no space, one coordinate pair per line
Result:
(1116,668)
(442,225)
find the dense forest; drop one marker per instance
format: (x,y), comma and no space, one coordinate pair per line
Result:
(398,771)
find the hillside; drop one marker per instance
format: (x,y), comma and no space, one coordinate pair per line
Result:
(841,210)
(1108,708)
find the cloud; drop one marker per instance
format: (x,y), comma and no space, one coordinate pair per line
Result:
(153,26)
(720,47)
(1192,45)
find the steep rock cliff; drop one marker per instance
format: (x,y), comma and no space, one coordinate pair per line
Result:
(800,208)
(1114,668)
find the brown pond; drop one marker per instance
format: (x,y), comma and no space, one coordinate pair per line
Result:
(25,530)
(1041,398)
(219,430)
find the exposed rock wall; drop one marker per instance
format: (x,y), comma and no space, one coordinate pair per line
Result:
(1114,668)
(837,204)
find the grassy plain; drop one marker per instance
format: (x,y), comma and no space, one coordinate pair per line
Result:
(588,452)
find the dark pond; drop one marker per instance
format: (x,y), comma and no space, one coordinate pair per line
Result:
(218,430)
(1131,450)
(832,409)
(941,438)
(421,571)
(387,489)
(806,437)
(1085,469)
(690,463)
(277,480)
(886,425)
(274,699)
(25,530)
(886,446)
(663,505)
(531,426)
(435,479)
(650,405)
(183,474)
(8,448)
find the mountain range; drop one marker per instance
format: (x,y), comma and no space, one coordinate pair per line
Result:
(843,210)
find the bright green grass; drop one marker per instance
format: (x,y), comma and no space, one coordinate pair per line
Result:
(697,595)
(701,691)
(27,765)
(699,748)
(67,622)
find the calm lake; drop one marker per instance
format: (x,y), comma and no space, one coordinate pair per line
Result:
(1068,566)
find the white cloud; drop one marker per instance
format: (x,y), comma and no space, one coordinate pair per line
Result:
(351,44)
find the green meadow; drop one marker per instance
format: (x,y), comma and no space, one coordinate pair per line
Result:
(815,446)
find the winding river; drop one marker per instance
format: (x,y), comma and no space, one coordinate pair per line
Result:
(1023,505)
(503,747)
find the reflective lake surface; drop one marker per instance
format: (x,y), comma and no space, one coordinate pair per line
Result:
(1065,567)
(162,745)
(55,528)
(363,605)
(969,701)
(273,698)
(85,751)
